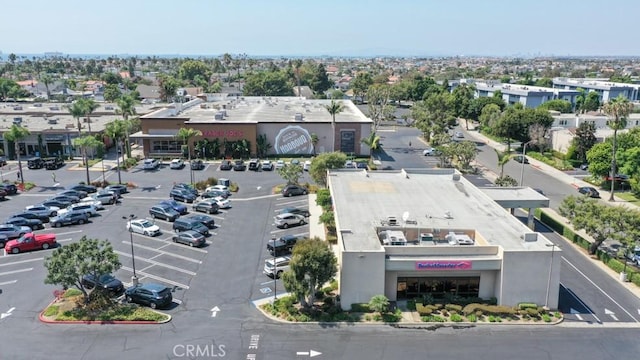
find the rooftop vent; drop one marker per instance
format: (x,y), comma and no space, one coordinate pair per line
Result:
(17,120)
(298,116)
(219,115)
(456,177)
(447,215)
(530,237)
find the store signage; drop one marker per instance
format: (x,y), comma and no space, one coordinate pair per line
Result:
(54,138)
(223,133)
(443,265)
(293,140)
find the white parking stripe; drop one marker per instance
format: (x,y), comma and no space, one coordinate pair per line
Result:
(68,232)
(167,253)
(157,263)
(64,240)
(15,271)
(22,261)
(283,230)
(8,282)
(293,202)
(154,277)
(168,242)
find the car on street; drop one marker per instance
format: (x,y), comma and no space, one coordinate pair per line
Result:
(350,164)
(280,164)
(3,194)
(164,211)
(267,165)
(35,163)
(226,165)
(362,165)
(49,211)
(205,220)
(33,224)
(521,159)
(13,231)
(150,164)
(295,210)
(72,218)
(295,162)
(77,193)
(53,163)
(143,227)
(176,164)
(197,164)
(239,165)
(182,195)
(89,189)
(287,220)
(149,294)
(209,206)
(117,188)
(274,268)
(294,190)
(11,189)
(222,202)
(32,215)
(104,281)
(589,191)
(180,208)
(30,241)
(282,246)
(430,152)
(189,237)
(254,165)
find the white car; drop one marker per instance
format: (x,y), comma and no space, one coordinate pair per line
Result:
(49,211)
(87,208)
(176,164)
(144,227)
(222,202)
(267,165)
(220,188)
(458,135)
(307,165)
(150,164)
(280,164)
(430,152)
(90,200)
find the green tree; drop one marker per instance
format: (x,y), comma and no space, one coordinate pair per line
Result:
(510,126)
(544,82)
(379,304)
(186,134)
(168,87)
(324,162)
(490,115)
(333,109)
(312,265)
(267,83)
(462,98)
(584,140)
(591,102)
(112,93)
(76,110)
(297,65)
(314,141)
(15,134)
(86,108)
(47,80)
(378,97)
(319,82)
(291,173)
(434,115)
(503,159)
(112,78)
(560,105)
(85,143)
(191,69)
(68,264)
(227,60)
(464,152)
(618,110)
(479,103)
(372,141)
(506,181)
(360,84)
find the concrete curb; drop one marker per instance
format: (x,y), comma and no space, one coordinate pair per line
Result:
(43,319)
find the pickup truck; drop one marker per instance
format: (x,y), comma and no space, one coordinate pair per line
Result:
(284,245)
(30,241)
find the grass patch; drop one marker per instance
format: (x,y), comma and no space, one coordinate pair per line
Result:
(72,293)
(51,310)
(628,197)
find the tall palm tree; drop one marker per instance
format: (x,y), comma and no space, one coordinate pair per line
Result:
(15,134)
(77,111)
(116,131)
(372,141)
(297,64)
(619,109)
(47,80)
(89,107)
(127,107)
(334,108)
(85,143)
(185,134)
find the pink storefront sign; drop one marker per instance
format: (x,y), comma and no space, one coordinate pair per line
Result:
(443,265)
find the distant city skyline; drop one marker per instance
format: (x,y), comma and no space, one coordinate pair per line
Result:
(294,28)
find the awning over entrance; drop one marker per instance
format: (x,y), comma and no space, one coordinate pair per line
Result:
(140,135)
(516,197)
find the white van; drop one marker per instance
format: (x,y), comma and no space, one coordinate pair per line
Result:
(150,164)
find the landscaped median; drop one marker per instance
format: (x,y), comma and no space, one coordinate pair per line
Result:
(69,308)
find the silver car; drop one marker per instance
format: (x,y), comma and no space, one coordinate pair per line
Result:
(286,220)
(13,231)
(49,211)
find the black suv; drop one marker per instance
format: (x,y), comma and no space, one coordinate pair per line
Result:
(53,163)
(197,164)
(226,165)
(239,166)
(187,187)
(294,190)
(35,163)
(182,195)
(104,281)
(281,246)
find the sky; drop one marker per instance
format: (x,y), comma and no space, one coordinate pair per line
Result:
(328,27)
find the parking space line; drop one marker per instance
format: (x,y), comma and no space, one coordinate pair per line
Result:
(217,217)
(283,230)
(15,271)
(64,240)
(68,232)
(21,261)
(157,263)
(158,278)
(8,282)
(292,202)
(148,267)
(168,253)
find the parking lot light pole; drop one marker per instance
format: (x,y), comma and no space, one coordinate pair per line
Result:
(275,270)
(118,163)
(546,300)
(134,278)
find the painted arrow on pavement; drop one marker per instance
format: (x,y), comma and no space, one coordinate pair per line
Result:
(214,311)
(310,353)
(8,313)
(611,313)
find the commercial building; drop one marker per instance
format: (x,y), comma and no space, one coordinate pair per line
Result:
(606,90)
(412,233)
(288,125)
(528,96)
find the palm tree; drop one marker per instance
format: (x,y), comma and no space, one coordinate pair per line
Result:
(227,59)
(372,141)
(334,108)
(46,79)
(297,64)
(77,111)
(85,143)
(185,134)
(126,105)
(89,107)
(503,158)
(619,109)
(116,131)
(314,141)
(15,134)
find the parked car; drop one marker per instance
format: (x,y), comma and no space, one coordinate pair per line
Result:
(163,211)
(187,224)
(283,245)
(49,211)
(3,241)
(213,194)
(458,135)
(350,164)
(150,164)
(187,187)
(86,208)
(239,165)
(3,161)
(521,159)
(71,218)
(106,198)
(205,220)
(287,220)
(91,201)
(104,281)
(65,198)
(222,188)
(144,227)
(182,195)
(30,241)
(179,208)
(117,188)
(295,210)
(53,163)
(208,206)
(190,237)
(294,162)
(226,165)
(294,190)
(176,164)
(149,294)
(589,191)
(89,189)
(32,215)
(13,231)
(33,224)
(197,164)
(584,167)
(77,193)
(430,152)
(307,165)
(35,163)
(56,203)
(267,165)
(11,189)
(254,165)
(362,165)
(280,164)
(275,267)
(222,202)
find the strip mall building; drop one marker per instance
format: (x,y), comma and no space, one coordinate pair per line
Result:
(290,125)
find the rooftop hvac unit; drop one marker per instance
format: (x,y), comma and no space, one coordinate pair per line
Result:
(219,116)
(298,116)
(17,120)
(530,237)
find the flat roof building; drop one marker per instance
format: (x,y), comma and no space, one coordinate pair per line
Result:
(411,233)
(528,96)
(606,90)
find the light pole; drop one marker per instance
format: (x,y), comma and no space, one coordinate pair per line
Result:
(546,300)
(118,152)
(524,152)
(134,278)
(275,270)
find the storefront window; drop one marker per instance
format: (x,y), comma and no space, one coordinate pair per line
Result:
(415,287)
(348,141)
(166,146)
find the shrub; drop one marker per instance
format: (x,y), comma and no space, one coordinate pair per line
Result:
(423,310)
(51,310)
(392,317)
(328,302)
(533,312)
(379,303)
(433,318)
(456,318)
(334,285)
(359,307)
(557,315)
(319,295)
(472,318)
(546,318)
(453,307)
(323,198)
(411,305)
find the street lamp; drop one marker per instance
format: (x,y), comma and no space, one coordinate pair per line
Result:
(275,270)
(118,152)
(625,252)
(546,300)
(134,278)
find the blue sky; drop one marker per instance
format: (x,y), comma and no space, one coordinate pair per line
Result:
(329,27)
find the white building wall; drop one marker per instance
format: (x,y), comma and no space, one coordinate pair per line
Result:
(525,277)
(362,276)
(391,285)
(488,284)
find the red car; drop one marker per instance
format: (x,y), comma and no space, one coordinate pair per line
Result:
(30,241)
